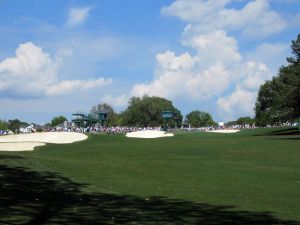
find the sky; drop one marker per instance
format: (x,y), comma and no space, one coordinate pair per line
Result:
(60,57)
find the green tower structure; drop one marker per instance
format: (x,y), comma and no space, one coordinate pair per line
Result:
(83,120)
(167,115)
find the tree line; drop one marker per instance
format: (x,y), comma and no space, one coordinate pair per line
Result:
(141,112)
(147,112)
(12,125)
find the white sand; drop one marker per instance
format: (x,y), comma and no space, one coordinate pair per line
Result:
(19,146)
(27,142)
(148,134)
(223,131)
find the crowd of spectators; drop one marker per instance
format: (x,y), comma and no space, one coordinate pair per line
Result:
(104,130)
(127,129)
(5,132)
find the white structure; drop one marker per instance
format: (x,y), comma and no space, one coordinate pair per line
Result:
(28,129)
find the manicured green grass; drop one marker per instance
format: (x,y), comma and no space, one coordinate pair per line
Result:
(249,171)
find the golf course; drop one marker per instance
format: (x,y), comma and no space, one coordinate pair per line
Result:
(249,177)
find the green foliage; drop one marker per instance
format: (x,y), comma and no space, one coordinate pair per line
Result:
(112,117)
(14,125)
(147,111)
(3,125)
(245,120)
(200,119)
(58,120)
(295,51)
(278,99)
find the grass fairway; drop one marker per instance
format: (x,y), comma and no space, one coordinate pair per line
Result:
(191,178)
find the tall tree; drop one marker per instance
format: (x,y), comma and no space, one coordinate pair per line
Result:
(295,51)
(278,99)
(200,119)
(58,120)
(3,125)
(147,111)
(112,117)
(245,120)
(295,64)
(14,125)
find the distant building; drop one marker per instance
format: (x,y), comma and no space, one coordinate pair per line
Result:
(221,125)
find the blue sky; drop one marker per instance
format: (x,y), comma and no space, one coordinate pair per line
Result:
(58,57)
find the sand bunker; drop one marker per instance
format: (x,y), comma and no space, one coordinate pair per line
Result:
(27,142)
(224,131)
(148,134)
(19,146)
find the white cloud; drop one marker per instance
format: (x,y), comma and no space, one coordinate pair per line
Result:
(296,20)
(211,72)
(116,101)
(168,61)
(239,103)
(193,10)
(67,86)
(269,52)
(29,72)
(180,77)
(253,75)
(210,82)
(215,46)
(255,19)
(78,15)
(217,65)
(34,73)
(197,77)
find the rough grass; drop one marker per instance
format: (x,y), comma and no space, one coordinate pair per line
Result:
(250,171)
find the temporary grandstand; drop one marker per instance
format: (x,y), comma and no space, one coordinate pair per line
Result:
(88,120)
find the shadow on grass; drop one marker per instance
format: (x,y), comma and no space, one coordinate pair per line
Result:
(31,198)
(11,157)
(289,131)
(284,133)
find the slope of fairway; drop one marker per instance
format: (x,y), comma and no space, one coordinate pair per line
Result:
(254,175)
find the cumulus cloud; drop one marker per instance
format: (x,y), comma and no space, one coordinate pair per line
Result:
(67,86)
(212,71)
(239,103)
(33,73)
(196,77)
(179,77)
(193,10)
(217,65)
(78,15)
(118,101)
(255,19)
(184,77)
(214,46)
(270,53)
(253,75)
